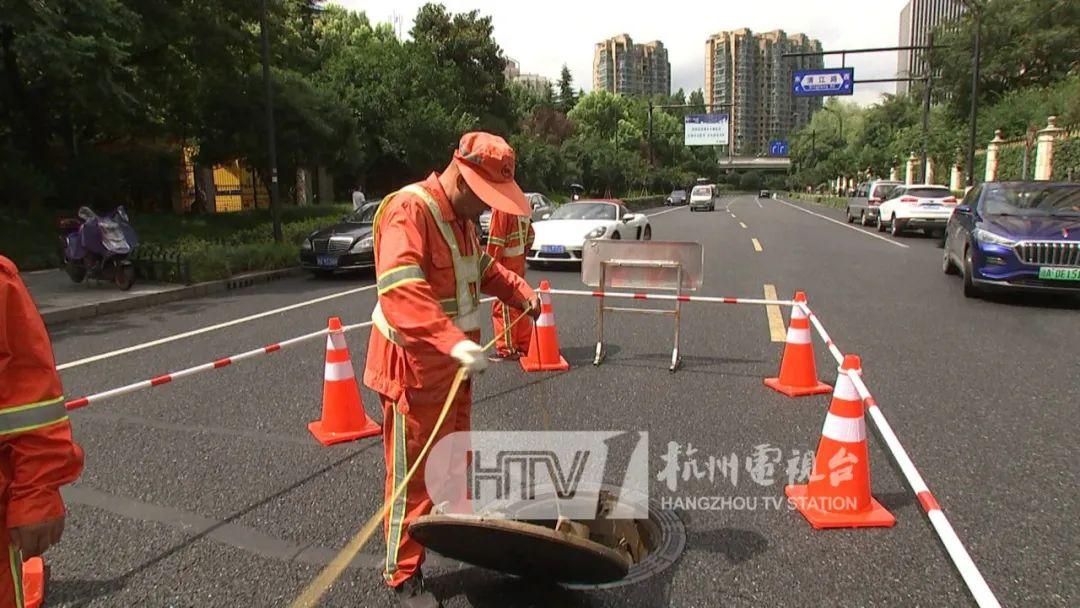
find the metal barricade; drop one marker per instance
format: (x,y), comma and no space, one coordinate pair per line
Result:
(655,265)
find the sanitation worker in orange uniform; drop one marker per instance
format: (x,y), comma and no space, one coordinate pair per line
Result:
(37,453)
(430,272)
(509,238)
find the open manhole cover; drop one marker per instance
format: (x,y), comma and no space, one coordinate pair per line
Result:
(599,553)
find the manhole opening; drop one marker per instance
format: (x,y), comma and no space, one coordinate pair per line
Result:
(651,545)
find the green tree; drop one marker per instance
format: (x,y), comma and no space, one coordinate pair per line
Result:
(465,43)
(566,99)
(1025,44)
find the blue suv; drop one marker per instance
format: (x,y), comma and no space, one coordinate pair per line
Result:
(1016,235)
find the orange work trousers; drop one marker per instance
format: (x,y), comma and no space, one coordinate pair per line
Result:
(510,339)
(407,425)
(11,591)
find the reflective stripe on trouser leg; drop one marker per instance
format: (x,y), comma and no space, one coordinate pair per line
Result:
(15,561)
(398,508)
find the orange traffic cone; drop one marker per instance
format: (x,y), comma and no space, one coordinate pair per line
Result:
(33,582)
(838,494)
(544,345)
(343,415)
(798,374)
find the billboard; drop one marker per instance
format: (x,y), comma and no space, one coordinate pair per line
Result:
(705,130)
(823,83)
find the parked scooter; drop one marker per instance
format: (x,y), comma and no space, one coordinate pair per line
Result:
(98,247)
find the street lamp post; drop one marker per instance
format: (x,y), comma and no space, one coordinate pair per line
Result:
(976,12)
(275,203)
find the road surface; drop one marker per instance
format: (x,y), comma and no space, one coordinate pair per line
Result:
(210,491)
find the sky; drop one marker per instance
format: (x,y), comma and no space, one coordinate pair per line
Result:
(544,35)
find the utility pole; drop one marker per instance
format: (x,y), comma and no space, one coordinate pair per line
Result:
(275,202)
(926,108)
(973,117)
(651,160)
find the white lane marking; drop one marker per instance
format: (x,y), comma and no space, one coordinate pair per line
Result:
(742,224)
(757,245)
(662,212)
(848,226)
(758,201)
(209,328)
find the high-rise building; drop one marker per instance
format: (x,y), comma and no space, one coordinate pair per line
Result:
(536,82)
(917,19)
(625,68)
(747,76)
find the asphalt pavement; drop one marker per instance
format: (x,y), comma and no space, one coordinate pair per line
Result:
(210,490)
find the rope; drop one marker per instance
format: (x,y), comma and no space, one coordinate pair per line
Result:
(322,583)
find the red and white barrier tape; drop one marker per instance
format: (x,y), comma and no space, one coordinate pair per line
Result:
(669,297)
(205,367)
(974,580)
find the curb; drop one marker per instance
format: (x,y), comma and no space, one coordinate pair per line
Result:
(73,313)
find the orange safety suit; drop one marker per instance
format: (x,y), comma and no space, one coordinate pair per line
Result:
(430,270)
(37,453)
(509,238)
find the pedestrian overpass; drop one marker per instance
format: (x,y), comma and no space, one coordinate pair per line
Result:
(766,163)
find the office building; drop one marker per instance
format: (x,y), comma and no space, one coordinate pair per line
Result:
(747,76)
(625,68)
(917,19)
(535,82)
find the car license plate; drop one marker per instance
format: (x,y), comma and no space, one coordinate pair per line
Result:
(327,261)
(552,249)
(1059,274)
(931,206)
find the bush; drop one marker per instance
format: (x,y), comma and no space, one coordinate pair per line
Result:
(212,262)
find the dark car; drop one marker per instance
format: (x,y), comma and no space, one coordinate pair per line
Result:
(763,194)
(346,246)
(1016,235)
(677,197)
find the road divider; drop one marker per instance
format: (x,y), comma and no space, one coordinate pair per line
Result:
(670,298)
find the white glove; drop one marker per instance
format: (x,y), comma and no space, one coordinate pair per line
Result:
(470,356)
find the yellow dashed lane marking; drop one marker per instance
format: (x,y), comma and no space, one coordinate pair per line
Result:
(757,245)
(776,320)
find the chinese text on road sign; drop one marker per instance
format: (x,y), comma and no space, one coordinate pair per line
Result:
(823,83)
(706,130)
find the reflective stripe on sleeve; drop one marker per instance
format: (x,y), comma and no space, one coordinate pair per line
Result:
(485,263)
(493,240)
(511,252)
(396,277)
(32,416)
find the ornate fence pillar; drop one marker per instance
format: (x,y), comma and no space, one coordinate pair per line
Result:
(910,170)
(956,180)
(992,152)
(1044,149)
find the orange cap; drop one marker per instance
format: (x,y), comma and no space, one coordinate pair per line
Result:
(487,163)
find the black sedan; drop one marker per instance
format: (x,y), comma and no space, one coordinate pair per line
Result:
(347,246)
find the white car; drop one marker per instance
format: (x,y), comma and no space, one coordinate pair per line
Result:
(561,236)
(703,196)
(916,206)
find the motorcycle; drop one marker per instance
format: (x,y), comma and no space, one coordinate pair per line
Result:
(98,247)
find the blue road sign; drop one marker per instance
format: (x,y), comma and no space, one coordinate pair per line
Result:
(823,83)
(778,147)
